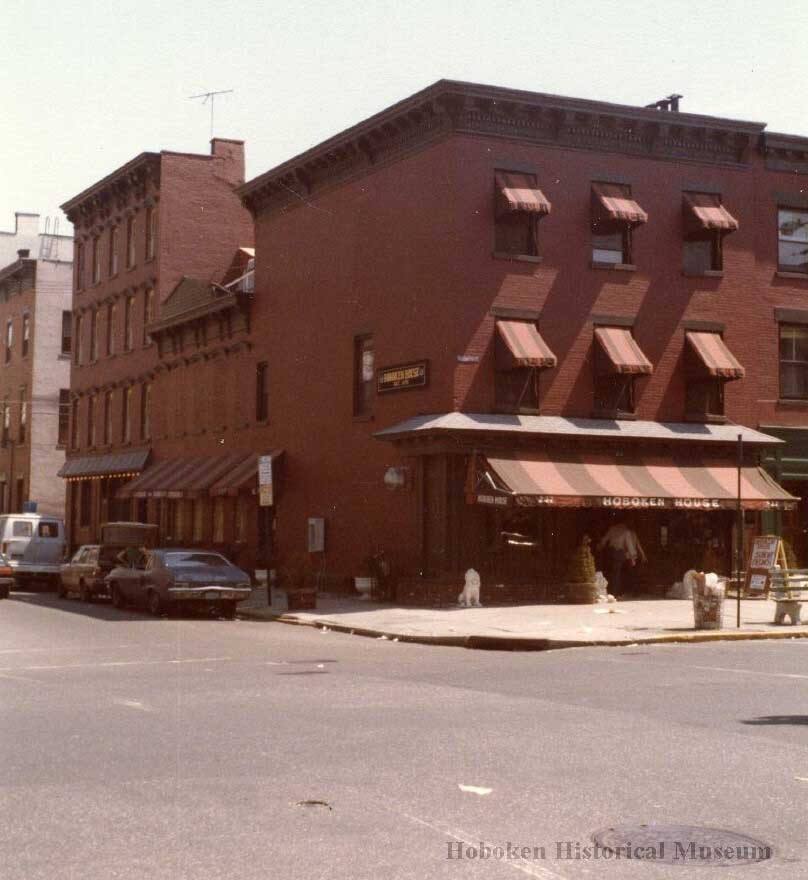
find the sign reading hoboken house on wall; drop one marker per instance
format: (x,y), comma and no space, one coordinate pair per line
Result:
(402,376)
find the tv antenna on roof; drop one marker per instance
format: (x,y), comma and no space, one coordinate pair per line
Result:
(210,97)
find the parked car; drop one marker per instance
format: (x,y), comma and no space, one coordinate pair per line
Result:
(34,545)
(85,573)
(6,578)
(175,577)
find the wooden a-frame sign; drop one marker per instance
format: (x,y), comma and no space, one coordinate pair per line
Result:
(767,551)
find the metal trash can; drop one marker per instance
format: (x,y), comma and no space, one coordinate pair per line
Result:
(708,602)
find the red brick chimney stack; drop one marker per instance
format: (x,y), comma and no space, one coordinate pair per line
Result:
(231,154)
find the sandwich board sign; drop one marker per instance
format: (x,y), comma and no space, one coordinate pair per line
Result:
(766,552)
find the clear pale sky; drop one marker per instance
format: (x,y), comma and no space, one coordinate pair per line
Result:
(87,85)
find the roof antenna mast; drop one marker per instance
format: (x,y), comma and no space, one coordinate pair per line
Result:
(209,97)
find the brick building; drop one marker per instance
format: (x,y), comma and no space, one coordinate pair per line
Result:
(161,218)
(35,293)
(522,311)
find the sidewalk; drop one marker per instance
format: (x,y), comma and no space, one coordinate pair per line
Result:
(527,627)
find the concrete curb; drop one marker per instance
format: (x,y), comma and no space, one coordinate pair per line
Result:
(522,643)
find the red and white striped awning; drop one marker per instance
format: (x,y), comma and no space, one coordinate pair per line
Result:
(615,200)
(521,345)
(519,192)
(713,355)
(704,211)
(181,477)
(639,481)
(622,352)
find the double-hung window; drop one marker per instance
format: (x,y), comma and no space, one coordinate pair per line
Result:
(794,361)
(792,240)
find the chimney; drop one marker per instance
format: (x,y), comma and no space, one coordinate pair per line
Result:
(230,154)
(24,253)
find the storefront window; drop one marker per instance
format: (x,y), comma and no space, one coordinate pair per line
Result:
(199,514)
(242,513)
(218,521)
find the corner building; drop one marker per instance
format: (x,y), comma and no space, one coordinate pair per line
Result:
(139,232)
(491,318)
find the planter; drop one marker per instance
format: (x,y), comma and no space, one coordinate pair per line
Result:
(365,586)
(301,600)
(581,593)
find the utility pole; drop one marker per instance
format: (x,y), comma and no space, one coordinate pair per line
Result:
(210,97)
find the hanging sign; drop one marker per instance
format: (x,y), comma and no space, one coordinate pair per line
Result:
(766,552)
(402,376)
(265,489)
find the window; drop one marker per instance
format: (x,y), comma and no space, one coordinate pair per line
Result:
(704,399)
(611,243)
(91,421)
(619,362)
(96,260)
(145,411)
(48,529)
(792,240)
(200,511)
(131,229)
(242,514)
(126,415)
(23,415)
(114,244)
(26,334)
(93,335)
(85,503)
(64,416)
(517,390)
(261,392)
(218,520)
(9,338)
(517,233)
(74,424)
(705,222)
(614,395)
(22,528)
(519,205)
(6,422)
(77,348)
(112,310)
(128,336)
(364,375)
(79,265)
(67,332)
(614,214)
(148,313)
(151,232)
(107,418)
(793,362)
(702,253)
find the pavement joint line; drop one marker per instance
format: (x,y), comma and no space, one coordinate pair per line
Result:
(713,669)
(4,669)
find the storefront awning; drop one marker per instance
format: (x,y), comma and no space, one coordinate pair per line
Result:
(714,356)
(615,201)
(181,477)
(521,345)
(622,352)
(704,212)
(243,476)
(518,192)
(626,482)
(110,465)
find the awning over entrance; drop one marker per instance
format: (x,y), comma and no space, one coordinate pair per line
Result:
(181,477)
(712,353)
(243,476)
(113,464)
(518,192)
(622,352)
(615,201)
(522,346)
(639,481)
(704,212)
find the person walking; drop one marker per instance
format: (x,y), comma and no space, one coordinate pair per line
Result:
(622,546)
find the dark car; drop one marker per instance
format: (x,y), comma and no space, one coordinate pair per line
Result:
(85,573)
(172,577)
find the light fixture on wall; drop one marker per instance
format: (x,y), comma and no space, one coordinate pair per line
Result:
(396,478)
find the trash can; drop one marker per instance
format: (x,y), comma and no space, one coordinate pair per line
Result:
(708,601)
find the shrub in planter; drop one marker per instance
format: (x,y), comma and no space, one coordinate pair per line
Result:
(581,588)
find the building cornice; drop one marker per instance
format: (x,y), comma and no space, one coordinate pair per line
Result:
(449,107)
(785,152)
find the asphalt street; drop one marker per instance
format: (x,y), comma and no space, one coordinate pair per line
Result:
(196,749)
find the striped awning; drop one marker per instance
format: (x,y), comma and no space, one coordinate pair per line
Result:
(713,355)
(622,352)
(518,192)
(181,477)
(109,464)
(521,345)
(615,201)
(243,476)
(639,482)
(704,211)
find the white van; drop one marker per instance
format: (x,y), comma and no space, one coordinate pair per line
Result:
(34,545)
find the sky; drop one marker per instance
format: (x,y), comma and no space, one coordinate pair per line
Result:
(89,84)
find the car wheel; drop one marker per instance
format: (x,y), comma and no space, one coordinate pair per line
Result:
(117,596)
(61,589)
(154,603)
(229,610)
(85,593)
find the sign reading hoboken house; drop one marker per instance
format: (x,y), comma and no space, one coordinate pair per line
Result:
(402,376)
(630,502)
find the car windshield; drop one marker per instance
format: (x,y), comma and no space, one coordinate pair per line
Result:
(186,560)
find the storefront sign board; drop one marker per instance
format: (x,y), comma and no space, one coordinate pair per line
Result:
(402,376)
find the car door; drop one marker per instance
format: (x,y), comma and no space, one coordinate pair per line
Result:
(72,574)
